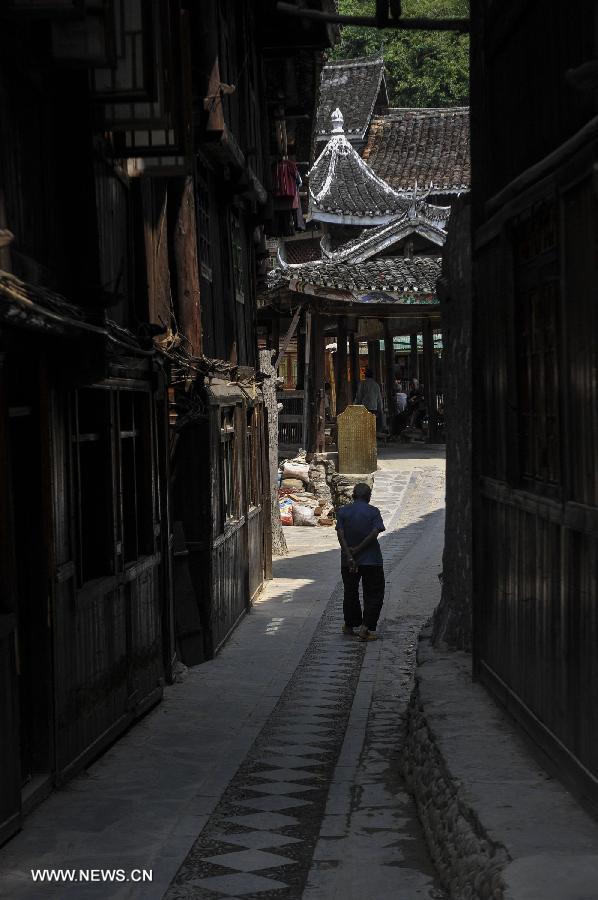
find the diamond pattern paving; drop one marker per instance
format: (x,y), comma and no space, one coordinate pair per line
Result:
(281,787)
(249,860)
(291,763)
(235,885)
(256,840)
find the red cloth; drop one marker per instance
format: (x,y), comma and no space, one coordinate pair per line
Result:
(285,179)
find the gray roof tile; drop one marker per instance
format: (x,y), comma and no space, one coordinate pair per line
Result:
(343,188)
(427,146)
(391,274)
(353,85)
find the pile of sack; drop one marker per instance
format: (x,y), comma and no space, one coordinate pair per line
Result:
(298,506)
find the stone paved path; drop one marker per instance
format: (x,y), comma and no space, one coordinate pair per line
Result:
(260,840)
(273,770)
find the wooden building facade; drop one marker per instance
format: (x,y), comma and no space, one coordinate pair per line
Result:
(137,142)
(535,382)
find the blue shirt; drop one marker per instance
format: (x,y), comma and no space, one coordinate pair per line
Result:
(356,521)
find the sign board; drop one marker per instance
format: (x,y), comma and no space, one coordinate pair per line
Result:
(357,440)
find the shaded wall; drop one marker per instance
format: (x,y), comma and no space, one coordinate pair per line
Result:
(452,620)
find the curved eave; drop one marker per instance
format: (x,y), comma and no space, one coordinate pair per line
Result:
(315,288)
(350,219)
(414,302)
(434,190)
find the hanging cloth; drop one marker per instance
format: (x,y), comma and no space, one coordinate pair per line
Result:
(285,179)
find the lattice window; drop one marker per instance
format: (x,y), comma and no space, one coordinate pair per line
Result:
(93,484)
(135,474)
(113,488)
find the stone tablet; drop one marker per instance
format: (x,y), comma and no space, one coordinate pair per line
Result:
(357,440)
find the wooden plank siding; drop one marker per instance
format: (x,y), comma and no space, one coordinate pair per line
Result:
(230,585)
(255,546)
(536,490)
(108,661)
(133,196)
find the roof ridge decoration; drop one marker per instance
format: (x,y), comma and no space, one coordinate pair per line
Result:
(421,218)
(344,189)
(427,110)
(353,63)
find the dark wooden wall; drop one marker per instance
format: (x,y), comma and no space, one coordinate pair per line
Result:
(535,378)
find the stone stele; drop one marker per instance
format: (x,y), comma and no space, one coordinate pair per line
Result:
(357,440)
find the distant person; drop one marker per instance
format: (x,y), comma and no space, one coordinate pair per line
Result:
(357,526)
(370,396)
(416,404)
(400,398)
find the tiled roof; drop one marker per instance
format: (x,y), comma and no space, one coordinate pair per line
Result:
(343,189)
(392,274)
(422,218)
(353,85)
(423,146)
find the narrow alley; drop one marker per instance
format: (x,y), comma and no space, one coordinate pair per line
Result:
(298,470)
(275,766)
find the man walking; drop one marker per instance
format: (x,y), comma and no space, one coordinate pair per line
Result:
(357,526)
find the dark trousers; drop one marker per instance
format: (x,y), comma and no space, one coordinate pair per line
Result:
(372,578)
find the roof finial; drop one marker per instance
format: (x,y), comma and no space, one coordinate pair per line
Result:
(337,122)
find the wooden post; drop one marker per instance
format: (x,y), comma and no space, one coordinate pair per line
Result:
(430,383)
(374,359)
(354,355)
(187,268)
(301,357)
(413,358)
(315,374)
(390,377)
(342,386)
(307,383)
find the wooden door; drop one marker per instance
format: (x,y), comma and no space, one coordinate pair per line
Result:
(10,775)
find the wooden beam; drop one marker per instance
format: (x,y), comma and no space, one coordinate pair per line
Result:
(411,24)
(329,307)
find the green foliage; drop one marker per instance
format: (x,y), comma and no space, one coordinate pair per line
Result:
(424,68)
